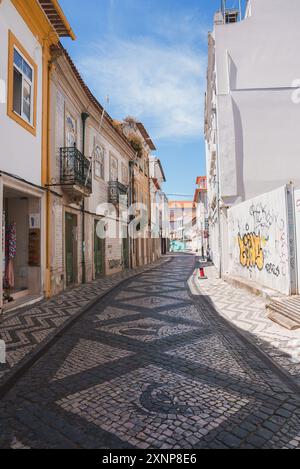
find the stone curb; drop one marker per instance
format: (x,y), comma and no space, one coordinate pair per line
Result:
(24,365)
(256,289)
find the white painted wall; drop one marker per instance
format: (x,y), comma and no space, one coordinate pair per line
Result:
(265,217)
(297,221)
(257,62)
(20,151)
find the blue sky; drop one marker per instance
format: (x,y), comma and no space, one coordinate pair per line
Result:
(150,57)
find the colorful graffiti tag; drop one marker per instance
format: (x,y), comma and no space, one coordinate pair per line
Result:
(251,251)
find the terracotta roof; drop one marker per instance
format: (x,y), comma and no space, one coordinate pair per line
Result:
(200,179)
(146,135)
(57,18)
(91,97)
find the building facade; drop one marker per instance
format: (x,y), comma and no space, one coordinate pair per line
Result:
(182,224)
(28,31)
(159,209)
(68,172)
(252,110)
(90,161)
(200,232)
(141,242)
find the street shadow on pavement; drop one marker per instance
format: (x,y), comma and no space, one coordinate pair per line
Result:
(151,366)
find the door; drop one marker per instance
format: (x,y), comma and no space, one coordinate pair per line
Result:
(71,248)
(125,253)
(99,253)
(137,252)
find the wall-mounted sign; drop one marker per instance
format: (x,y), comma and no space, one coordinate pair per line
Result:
(34,221)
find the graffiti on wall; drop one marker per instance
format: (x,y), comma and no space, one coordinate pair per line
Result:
(259,244)
(251,251)
(254,246)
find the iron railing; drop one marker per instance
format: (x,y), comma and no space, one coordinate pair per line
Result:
(75,169)
(115,190)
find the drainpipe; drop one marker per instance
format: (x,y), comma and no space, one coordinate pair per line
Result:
(84,117)
(131,201)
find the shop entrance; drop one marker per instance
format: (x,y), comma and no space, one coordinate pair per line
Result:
(21,247)
(71,240)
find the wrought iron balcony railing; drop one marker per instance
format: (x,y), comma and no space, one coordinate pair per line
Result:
(75,169)
(115,191)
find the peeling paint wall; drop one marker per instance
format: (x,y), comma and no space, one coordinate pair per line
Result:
(258,241)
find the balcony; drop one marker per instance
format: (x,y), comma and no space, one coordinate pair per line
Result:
(115,191)
(75,173)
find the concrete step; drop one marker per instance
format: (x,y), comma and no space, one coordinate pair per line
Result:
(285,312)
(283,321)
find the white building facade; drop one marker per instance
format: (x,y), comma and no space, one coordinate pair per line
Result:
(252,110)
(27,32)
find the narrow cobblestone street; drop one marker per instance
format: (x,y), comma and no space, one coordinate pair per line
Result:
(151,366)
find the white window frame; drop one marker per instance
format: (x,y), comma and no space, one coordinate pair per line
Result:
(98,162)
(111,177)
(29,82)
(125,174)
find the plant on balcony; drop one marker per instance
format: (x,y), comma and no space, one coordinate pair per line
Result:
(118,126)
(136,144)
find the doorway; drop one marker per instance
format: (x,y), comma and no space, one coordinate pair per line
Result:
(99,253)
(71,240)
(21,247)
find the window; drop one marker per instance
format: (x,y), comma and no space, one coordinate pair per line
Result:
(146,168)
(99,155)
(22,86)
(113,169)
(125,175)
(70,130)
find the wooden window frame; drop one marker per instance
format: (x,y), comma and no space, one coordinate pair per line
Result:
(125,171)
(111,158)
(13,44)
(102,176)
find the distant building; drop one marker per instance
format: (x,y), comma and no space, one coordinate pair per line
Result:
(182,215)
(200,232)
(159,209)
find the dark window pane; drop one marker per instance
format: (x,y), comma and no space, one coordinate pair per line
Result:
(18,59)
(17,97)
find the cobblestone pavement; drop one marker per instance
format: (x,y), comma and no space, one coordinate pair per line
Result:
(26,330)
(151,366)
(248,312)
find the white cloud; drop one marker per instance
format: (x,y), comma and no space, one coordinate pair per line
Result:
(160,83)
